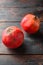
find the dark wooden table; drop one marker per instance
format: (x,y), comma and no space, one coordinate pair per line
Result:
(11,13)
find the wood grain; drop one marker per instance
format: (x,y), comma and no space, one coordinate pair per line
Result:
(11,13)
(16,14)
(13,10)
(20,3)
(21,59)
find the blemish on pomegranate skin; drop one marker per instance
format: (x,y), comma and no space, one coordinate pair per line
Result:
(9,30)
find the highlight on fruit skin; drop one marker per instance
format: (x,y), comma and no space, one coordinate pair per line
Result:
(30,23)
(12,37)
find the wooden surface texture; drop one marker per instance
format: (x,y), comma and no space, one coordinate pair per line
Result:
(11,13)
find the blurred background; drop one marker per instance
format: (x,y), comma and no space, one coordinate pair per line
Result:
(14,10)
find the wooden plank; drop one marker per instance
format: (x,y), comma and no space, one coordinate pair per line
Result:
(13,10)
(21,3)
(33,44)
(16,14)
(21,59)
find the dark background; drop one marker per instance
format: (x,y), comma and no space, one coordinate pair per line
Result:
(11,13)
